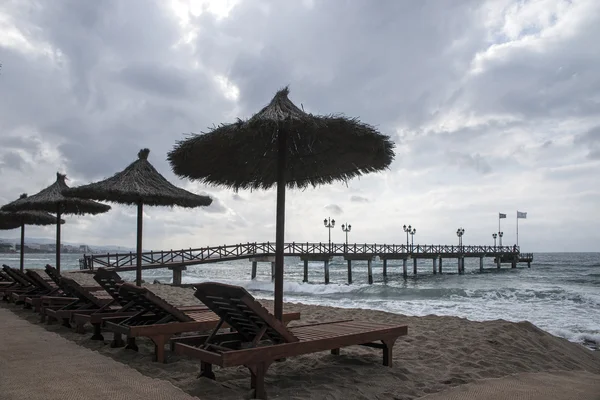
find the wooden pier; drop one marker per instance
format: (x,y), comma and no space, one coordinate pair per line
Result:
(179,260)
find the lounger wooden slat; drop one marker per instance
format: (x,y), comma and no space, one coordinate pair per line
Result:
(86,301)
(22,284)
(160,320)
(258,344)
(47,288)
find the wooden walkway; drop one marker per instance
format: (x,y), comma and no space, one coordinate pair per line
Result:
(179,259)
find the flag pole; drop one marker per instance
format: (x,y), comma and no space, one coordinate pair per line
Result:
(517,228)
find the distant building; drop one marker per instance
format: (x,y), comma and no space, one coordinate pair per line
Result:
(7,248)
(51,247)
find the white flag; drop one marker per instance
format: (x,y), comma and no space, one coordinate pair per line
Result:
(502,215)
(521,214)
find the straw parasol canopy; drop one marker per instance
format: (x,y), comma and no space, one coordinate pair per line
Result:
(139,184)
(52,200)
(13,220)
(282,145)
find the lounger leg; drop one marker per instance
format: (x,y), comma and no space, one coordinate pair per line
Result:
(335,352)
(50,320)
(388,345)
(257,380)
(131,344)
(117,341)
(97,332)
(36,305)
(206,371)
(159,347)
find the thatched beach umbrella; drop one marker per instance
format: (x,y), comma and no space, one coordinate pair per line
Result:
(12,220)
(284,146)
(138,184)
(52,200)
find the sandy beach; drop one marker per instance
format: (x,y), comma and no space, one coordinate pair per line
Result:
(438,353)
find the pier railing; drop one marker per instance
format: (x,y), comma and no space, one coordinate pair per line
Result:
(202,255)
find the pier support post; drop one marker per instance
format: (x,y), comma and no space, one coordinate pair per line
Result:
(326,265)
(414,266)
(254,263)
(528,264)
(272,271)
(459,267)
(370,271)
(404,268)
(440,266)
(384,269)
(480,264)
(434,266)
(177,272)
(498,262)
(349,272)
(305,279)
(514,264)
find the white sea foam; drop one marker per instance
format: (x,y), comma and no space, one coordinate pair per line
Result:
(559,293)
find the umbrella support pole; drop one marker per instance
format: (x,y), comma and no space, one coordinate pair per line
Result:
(23,245)
(58,215)
(138,269)
(280,224)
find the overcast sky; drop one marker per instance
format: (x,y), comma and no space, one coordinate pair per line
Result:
(494,107)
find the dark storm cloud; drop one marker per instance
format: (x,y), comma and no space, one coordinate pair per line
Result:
(591,140)
(13,160)
(334,209)
(470,161)
(93,82)
(358,199)
(366,63)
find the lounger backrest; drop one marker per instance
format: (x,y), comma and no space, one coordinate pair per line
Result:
(38,280)
(4,277)
(17,276)
(53,274)
(148,301)
(242,312)
(110,281)
(81,293)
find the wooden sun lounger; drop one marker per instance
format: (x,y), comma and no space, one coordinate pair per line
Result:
(260,339)
(41,288)
(53,273)
(160,320)
(86,300)
(22,283)
(54,302)
(50,289)
(5,278)
(110,281)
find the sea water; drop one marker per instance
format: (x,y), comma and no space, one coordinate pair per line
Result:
(560,293)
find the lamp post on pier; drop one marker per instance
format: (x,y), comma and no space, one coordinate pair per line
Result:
(412,239)
(460,232)
(329,223)
(346,228)
(494,235)
(409,231)
(500,234)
